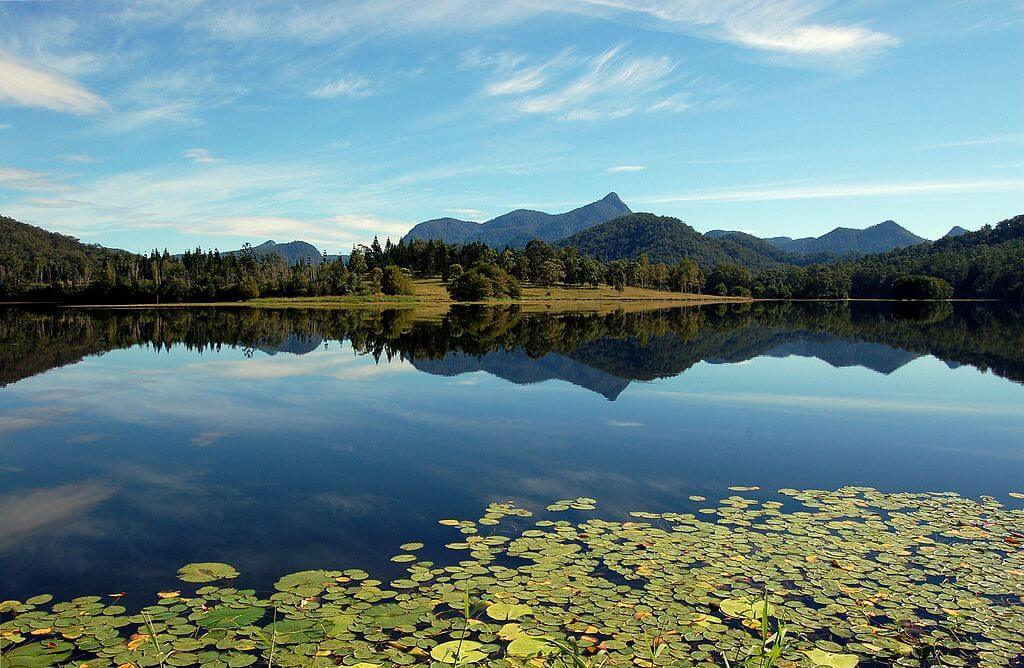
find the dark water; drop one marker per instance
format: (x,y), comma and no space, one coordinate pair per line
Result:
(132,442)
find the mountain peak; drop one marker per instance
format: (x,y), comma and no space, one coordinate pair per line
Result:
(613,198)
(956,231)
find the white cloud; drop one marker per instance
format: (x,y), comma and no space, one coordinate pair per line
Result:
(79,159)
(520,82)
(469,213)
(29,85)
(200,156)
(619,169)
(350,85)
(613,84)
(839,191)
(13,178)
(788,27)
(5,126)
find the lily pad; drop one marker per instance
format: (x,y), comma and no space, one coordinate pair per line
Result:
(458,652)
(206,572)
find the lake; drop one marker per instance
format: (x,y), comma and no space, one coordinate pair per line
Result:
(135,441)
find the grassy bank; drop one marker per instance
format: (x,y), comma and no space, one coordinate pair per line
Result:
(430,294)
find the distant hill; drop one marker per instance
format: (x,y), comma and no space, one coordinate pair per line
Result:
(292,252)
(669,240)
(518,227)
(956,231)
(880,238)
(22,240)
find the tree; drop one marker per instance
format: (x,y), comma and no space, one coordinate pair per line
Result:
(921,287)
(483,282)
(395,282)
(551,271)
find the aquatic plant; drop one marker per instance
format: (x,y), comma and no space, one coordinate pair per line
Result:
(853,576)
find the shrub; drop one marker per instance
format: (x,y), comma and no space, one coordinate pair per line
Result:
(482,282)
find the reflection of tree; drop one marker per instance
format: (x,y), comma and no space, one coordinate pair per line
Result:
(640,345)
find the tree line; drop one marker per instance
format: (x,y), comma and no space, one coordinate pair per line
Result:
(984,264)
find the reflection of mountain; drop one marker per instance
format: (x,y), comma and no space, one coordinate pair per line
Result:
(600,352)
(296,344)
(842,353)
(517,367)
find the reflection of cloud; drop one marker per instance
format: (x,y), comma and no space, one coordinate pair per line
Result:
(25,513)
(840,403)
(353,505)
(27,418)
(624,423)
(88,438)
(206,438)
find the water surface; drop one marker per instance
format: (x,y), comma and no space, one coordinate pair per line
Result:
(134,441)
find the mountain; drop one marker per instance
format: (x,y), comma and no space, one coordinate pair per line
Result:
(880,238)
(292,252)
(519,227)
(669,240)
(957,231)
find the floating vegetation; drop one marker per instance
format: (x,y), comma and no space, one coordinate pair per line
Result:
(851,577)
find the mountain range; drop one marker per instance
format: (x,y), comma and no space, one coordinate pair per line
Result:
(519,227)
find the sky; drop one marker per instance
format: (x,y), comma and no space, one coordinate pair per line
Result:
(182,123)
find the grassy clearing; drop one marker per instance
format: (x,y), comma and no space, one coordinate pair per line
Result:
(432,296)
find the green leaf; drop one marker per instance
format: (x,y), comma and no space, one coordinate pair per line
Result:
(37,655)
(231,618)
(822,658)
(504,612)
(531,646)
(206,572)
(458,652)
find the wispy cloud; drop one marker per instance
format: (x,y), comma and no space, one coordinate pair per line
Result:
(838,191)
(30,85)
(350,85)
(788,27)
(469,213)
(13,178)
(612,84)
(620,169)
(79,159)
(201,156)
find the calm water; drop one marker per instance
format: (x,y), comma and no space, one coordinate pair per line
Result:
(132,442)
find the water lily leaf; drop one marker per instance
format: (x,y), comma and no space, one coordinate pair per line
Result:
(231,618)
(822,658)
(37,655)
(40,600)
(306,583)
(504,612)
(1017,495)
(293,631)
(411,547)
(458,652)
(206,572)
(531,646)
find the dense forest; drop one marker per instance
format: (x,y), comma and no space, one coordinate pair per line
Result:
(40,265)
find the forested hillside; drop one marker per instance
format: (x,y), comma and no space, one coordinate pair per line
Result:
(669,240)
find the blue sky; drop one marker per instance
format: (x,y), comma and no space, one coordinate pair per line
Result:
(176,123)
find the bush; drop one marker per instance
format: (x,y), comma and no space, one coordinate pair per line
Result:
(395,282)
(482,282)
(921,287)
